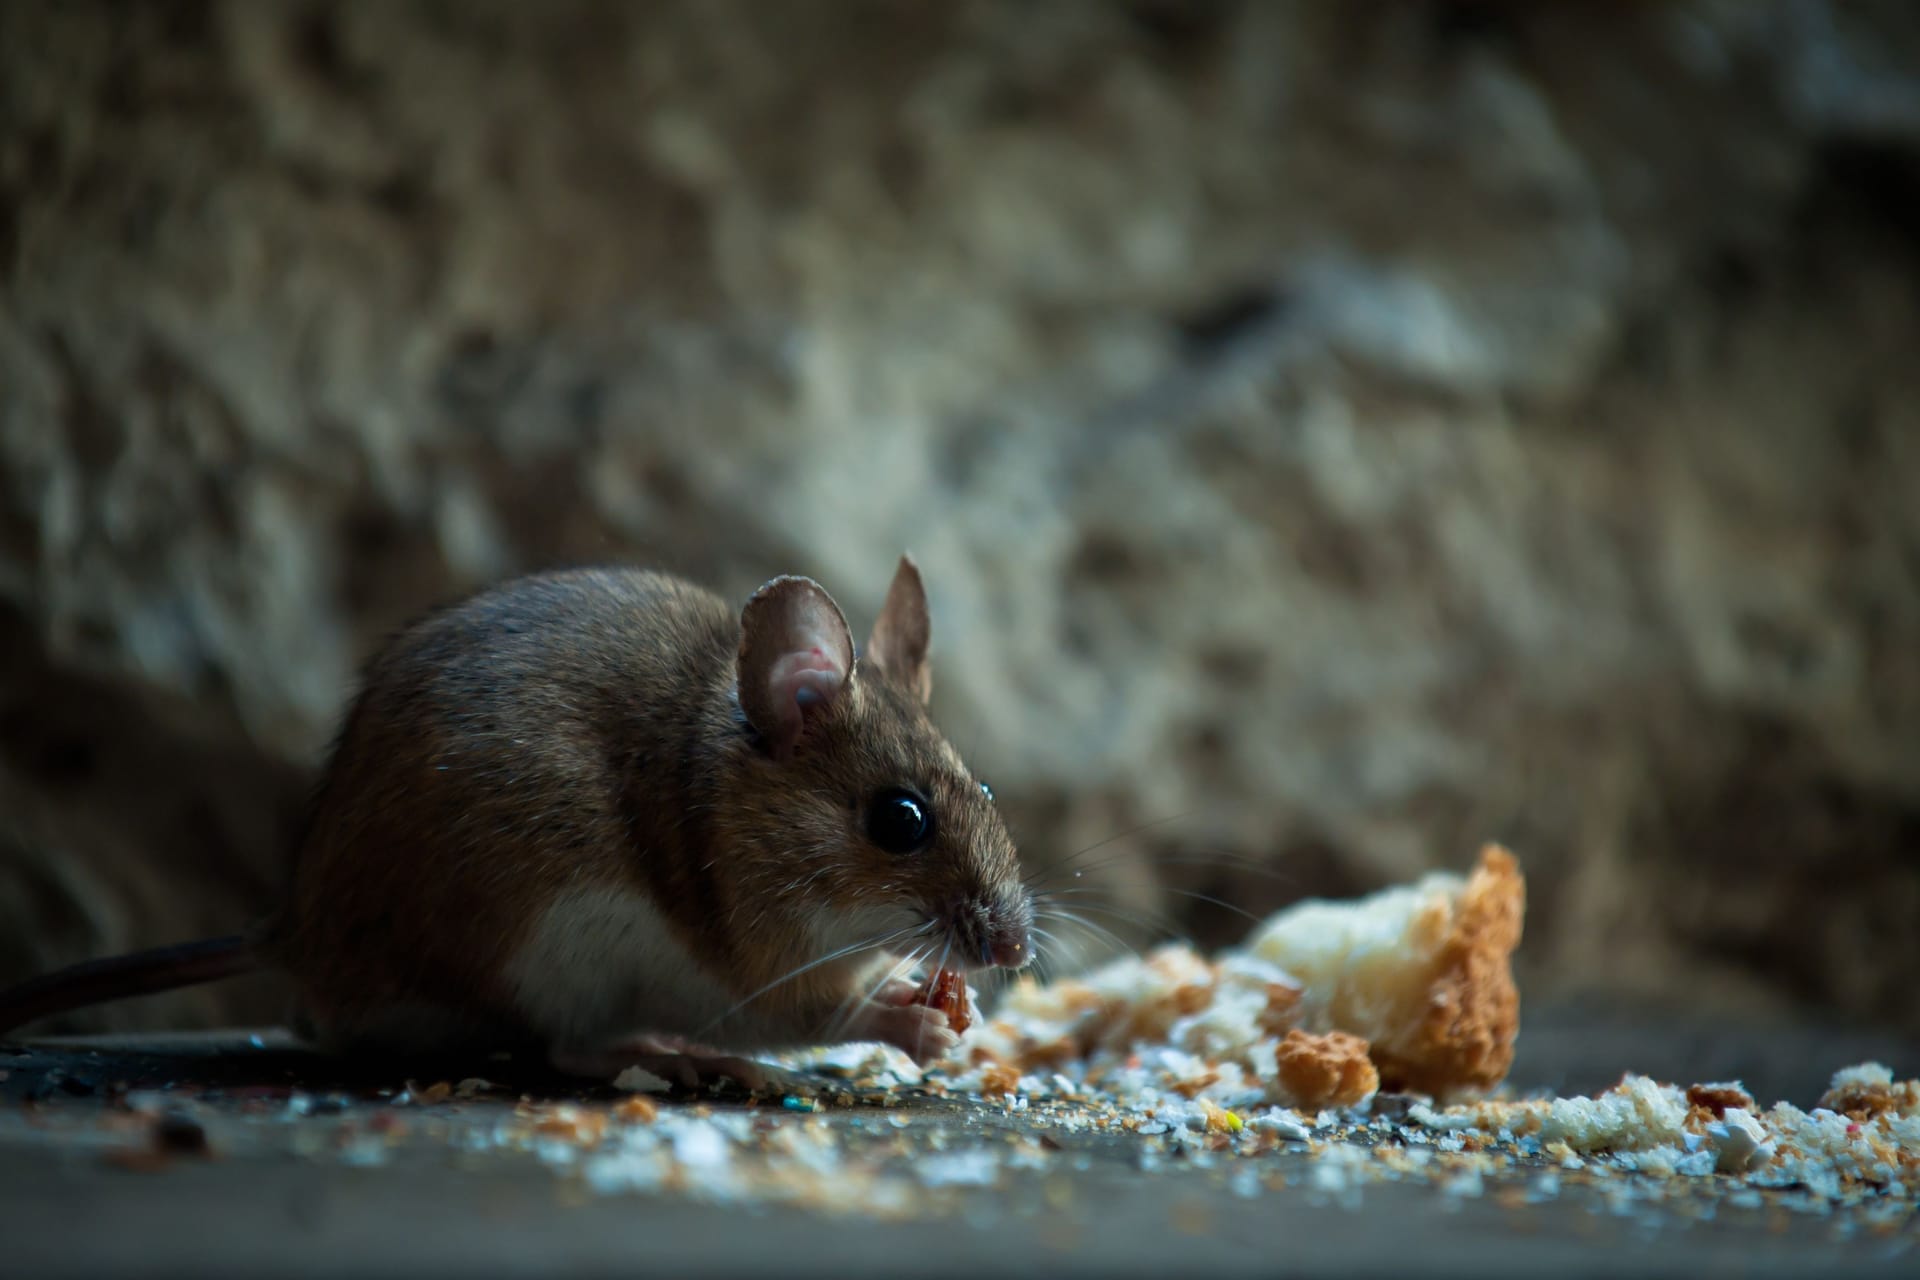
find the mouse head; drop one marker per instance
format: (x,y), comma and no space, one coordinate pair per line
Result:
(867,821)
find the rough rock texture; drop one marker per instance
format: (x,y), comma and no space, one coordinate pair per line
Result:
(1335,434)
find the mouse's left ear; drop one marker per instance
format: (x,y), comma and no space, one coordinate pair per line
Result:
(902,632)
(796,656)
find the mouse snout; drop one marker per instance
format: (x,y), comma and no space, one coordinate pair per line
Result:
(991,931)
(1010,948)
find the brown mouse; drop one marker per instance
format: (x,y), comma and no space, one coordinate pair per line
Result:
(595,813)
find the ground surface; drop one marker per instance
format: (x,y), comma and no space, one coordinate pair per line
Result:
(295,1187)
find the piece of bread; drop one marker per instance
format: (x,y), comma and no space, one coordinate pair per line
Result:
(1422,972)
(1330,1070)
(1869,1090)
(1416,981)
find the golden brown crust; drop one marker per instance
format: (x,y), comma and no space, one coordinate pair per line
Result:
(1000,1080)
(1331,1070)
(1714,1099)
(1465,1040)
(1865,1099)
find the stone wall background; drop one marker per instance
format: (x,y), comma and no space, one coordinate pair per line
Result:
(1335,434)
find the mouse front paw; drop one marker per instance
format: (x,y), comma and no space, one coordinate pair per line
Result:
(897,991)
(916,1030)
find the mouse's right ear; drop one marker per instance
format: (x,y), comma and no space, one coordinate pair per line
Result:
(796,654)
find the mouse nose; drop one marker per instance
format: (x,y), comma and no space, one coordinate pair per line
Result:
(1010,949)
(994,932)
(1010,935)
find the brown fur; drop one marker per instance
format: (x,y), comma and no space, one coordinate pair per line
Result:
(611,728)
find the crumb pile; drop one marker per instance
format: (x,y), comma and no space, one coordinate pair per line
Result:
(1344,1045)
(1371,1035)
(1326,1004)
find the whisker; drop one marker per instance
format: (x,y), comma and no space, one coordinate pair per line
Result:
(1156,920)
(1059,945)
(842,1017)
(1091,927)
(1167,888)
(866,944)
(836,1024)
(1042,963)
(1224,906)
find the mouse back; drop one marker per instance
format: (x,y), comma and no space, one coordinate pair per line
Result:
(484,770)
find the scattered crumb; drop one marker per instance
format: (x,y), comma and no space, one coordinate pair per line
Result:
(999,1080)
(1716,1098)
(1868,1090)
(1637,1114)
(638,1109)
(1739,1142)
(1330,1070)
(1282,1123)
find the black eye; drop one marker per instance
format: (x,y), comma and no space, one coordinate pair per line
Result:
(899,821)
(987,791)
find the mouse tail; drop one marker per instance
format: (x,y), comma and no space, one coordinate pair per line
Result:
(118,977)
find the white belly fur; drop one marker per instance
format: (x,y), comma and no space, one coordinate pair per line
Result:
(603,964)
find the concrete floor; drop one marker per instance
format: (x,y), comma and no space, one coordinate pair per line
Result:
(261,1209)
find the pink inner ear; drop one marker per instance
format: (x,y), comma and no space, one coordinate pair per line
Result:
(806,677)
(802,680)
(795,659)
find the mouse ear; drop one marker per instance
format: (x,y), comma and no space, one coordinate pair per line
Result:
(898,645)
(795,658)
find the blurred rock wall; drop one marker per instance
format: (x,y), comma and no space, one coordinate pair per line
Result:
(1333,434)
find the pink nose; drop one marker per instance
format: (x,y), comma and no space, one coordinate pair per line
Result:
(1010,950)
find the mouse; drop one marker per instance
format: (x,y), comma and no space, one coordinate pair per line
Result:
(600,815)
